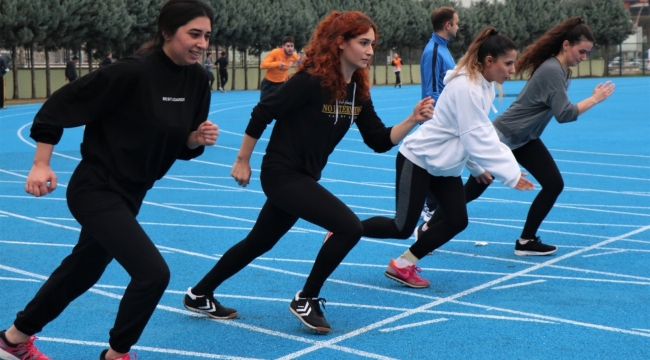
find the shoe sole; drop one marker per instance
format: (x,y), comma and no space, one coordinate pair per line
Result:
(316,328)
(6,355)
(533,253)
(231,316)
(391,276)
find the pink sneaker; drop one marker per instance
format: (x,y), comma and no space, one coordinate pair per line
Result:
(123,357)
(406,275)
(25,351)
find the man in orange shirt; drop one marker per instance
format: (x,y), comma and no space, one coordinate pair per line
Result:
(397,63)
(277,64)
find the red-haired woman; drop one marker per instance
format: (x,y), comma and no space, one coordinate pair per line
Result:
(313,111)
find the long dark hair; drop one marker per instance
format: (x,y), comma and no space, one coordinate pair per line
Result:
(572,29)
(174,14)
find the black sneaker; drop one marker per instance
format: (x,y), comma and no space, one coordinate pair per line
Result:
(309,312)
(534,247)
(208,305)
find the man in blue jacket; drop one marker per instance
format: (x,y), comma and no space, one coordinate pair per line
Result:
(436,60)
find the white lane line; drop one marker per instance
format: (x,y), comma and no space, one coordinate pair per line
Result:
(229,323)
(381,266)
(644,330)
(605,176)
(421,323)
(489,284)
(34,243)
(55,218)
(600,153)
(605,253)
(603,164)
(145,348)
(518,284)
(17,279)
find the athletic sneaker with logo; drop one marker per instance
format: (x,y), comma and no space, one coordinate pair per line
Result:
(534,247)
(123,357)
(25,351)
(406,275)
(208,305)
(309,312)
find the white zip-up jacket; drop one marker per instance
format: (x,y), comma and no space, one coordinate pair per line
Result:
(460,131)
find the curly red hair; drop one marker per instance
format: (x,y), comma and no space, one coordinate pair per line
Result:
(323,55)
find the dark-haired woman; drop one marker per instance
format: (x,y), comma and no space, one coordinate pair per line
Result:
(433,157)
(313,111)
(544,96)
(141,114)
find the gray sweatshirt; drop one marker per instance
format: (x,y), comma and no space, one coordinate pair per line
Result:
(543,96)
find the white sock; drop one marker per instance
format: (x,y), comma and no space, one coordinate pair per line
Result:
(402,263)
(425,226)
(523,241)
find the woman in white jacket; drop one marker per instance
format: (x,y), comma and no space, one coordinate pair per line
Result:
(460,134)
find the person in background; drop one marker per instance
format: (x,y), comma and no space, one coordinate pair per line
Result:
(435,62)
(136,127)
(4,68)
(397,67)
(208,69)
(108,60)
(222,63)
(277,64)
(71,69)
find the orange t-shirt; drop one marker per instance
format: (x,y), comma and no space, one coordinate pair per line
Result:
(397,63)
(272,65)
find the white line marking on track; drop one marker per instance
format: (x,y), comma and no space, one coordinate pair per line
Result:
(600,153)
(421,323)
(605,253)
(18,279)
(471,291)
(644,330)
(145,348)
(518,284)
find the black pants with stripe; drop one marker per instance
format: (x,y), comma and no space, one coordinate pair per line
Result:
(536,159)
(411,185)
(109,231)
(302,198)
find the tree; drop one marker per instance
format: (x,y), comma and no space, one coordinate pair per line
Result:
(14,31)
(143,14)
(537,15)
(417,29)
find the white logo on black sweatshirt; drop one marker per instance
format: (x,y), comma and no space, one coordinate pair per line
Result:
(173,99)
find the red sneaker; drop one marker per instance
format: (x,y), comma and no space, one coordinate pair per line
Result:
(24,351)
(123,357)
(406,275)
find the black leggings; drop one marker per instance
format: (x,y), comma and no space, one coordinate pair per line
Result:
(536,159)
(285,204)
(411,185)
(108,230)
(223,77)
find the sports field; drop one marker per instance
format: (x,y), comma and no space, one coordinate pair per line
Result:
(587,301)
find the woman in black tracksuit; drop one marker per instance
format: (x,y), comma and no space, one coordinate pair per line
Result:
(313,111)
(141,114)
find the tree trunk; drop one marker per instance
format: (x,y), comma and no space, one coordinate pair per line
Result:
(259,69)
(374,73)
(411,66)
(48,82)
(89,53)
(386,82)
(232,82)
(245,70)
(14,65)
(32,69)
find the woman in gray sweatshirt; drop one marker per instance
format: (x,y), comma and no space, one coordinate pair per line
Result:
(548,63)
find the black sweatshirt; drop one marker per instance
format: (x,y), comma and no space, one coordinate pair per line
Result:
(138,114)
(307,128)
